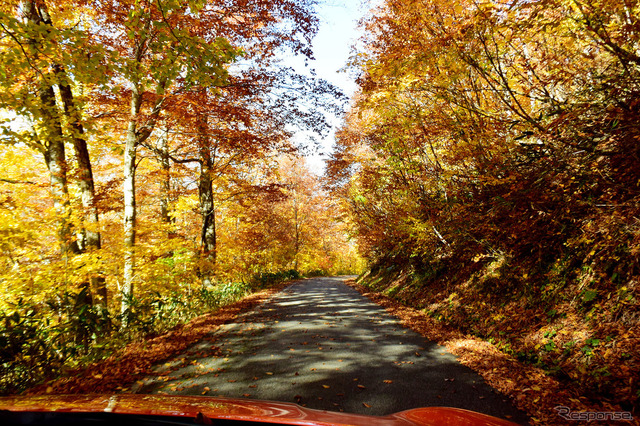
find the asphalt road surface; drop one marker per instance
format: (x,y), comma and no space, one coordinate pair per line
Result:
(321,344)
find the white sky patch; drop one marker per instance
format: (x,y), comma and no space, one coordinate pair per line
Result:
(332,48)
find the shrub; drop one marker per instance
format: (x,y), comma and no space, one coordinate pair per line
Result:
(38,341)
(266,279)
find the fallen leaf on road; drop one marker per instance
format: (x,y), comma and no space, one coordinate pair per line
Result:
(361,387)
(387,381)
(366,405)
(326,386)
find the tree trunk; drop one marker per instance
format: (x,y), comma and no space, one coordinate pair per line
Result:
(129,189)
(207,206)
(165,200)
(297,227)
(135,136)
(55,158)
(53,144)
(89,236)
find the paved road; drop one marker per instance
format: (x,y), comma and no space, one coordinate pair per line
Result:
(321,344)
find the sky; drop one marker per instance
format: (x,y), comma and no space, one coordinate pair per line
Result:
(338,32)
(332,47)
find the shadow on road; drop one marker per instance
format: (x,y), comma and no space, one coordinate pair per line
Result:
(321,344)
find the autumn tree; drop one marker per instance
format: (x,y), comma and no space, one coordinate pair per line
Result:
(159,50)
(38,90)
(251,116)
(434,106)
(288,222)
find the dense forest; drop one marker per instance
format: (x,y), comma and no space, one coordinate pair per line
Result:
(147,169)
(491,167)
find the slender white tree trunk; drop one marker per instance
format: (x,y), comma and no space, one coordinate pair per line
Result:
(129,190)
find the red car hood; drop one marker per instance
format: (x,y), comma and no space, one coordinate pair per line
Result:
(237,409)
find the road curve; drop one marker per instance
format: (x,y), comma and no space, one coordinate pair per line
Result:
(323,345)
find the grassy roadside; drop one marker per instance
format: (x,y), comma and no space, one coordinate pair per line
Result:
(532,388)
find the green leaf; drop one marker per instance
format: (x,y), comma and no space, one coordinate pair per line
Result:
(589,295)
